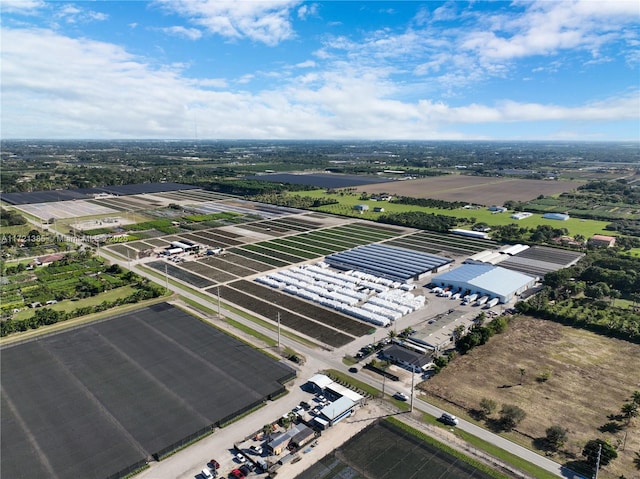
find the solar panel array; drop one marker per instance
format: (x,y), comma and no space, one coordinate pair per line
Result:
(398,264)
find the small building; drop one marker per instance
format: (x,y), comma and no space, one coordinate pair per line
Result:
(48,259)
(378,209)
(556,216)
(319,382)
(304,436)
(412,360)
(470,233)
(497,209)
(521,216)
(278,443)
(361,208)
(335,412)
(602,240)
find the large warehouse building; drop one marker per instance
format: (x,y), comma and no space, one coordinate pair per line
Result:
(486,280)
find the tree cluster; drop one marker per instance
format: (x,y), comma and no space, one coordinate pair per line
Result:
(420,220)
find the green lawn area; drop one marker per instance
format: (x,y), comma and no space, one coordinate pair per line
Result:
(69,305)
(347,202)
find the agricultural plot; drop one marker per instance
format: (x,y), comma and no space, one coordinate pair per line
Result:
(181,274)
(137,379)
(219,275)
(66,209)
(222,263)
(213,238)
(326,316)
(273,251)
(298,322)
(275,263)
(383,450)
(195,196)
(478,190)
(431,242)
(256,266)
(127,203)
(540,260)
(122,250)
(320,180)
(246,208)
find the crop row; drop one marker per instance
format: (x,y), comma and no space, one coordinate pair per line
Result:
(289,319)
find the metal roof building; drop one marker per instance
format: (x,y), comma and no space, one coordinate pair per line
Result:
(391,262)
(486,280)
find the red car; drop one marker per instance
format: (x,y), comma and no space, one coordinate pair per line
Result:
(237,473)
(213,464)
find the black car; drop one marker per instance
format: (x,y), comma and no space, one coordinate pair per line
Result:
(245,469)
(305,405)
(353,370)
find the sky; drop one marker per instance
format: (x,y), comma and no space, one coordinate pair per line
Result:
(344,70)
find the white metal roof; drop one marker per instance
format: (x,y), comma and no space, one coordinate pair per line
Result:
(345,392)
(321,380)
(336,408)
(500,281)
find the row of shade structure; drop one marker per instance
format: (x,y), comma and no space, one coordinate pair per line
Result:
(364,296)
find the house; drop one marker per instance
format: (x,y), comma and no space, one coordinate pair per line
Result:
(497,209)
(361,208)
(48,259)
(412,360)
(602,240)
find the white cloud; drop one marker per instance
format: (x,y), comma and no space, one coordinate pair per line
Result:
(72,14)
(265,21)
(546,28)
(25,7)
(58,87)
(308,10)
(180,31)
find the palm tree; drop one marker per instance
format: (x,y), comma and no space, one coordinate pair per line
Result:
(522,373)
(629,410)
(635,397)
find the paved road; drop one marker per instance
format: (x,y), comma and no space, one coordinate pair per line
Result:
(185,463)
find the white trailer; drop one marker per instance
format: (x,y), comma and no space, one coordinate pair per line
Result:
(491,303)
(482,300)
(471,298)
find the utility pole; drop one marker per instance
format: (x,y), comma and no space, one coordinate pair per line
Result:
(595,476)
(278,329)
(412,383)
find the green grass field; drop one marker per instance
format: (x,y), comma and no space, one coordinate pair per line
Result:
(575,226)
(69,305)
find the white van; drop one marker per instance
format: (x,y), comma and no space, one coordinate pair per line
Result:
(206,473)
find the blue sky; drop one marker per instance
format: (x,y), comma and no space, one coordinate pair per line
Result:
(280,69)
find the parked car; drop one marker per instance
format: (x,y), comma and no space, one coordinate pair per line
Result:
(305,405)
(257,450)
(449,419)
(213,464)
(237,474)
(206,473)
(240,458)
(401,396)
(245,469)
